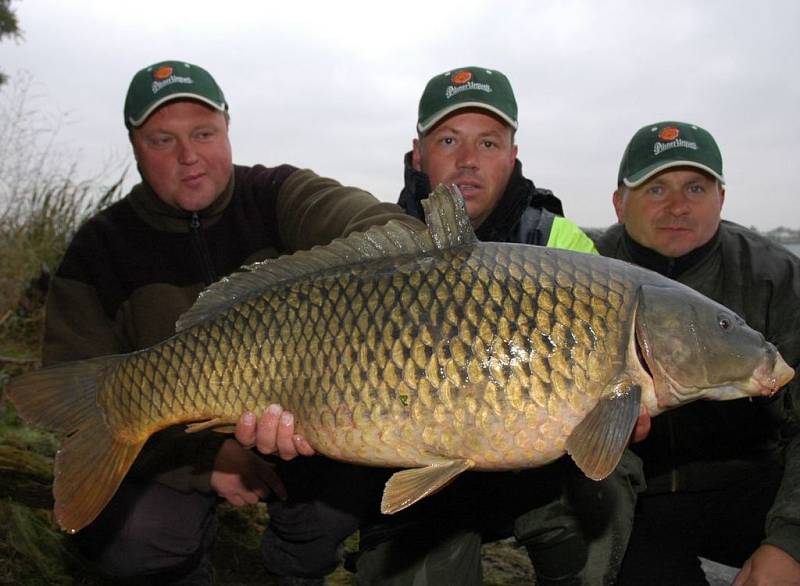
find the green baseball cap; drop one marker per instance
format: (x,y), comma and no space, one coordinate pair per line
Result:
(162,82)
(662,145)
(466,87)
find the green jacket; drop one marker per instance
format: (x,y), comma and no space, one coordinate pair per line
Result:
(135,267)
(708,444)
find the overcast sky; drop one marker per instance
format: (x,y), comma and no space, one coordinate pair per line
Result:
(334,85)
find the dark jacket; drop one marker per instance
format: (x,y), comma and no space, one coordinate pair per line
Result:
(709,444)
(135,267)
(525,214)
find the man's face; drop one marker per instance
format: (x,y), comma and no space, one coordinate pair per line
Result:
(473,150)
(184,154)
(674,212)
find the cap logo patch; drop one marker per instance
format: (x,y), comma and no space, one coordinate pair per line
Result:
(461,77)
(669,133)
(165,77)
(676,142)
(162,73)
(462,82)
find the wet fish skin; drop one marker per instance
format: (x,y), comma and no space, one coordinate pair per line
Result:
(428,351)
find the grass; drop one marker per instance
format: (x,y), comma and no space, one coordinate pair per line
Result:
(42,204)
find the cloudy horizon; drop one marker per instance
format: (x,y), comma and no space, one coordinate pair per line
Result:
(335,86)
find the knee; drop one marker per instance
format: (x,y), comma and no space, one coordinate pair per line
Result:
(313,559)
(139,549)
(148,531)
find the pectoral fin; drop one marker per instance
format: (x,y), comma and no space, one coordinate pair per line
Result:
(405,488)
(596,444)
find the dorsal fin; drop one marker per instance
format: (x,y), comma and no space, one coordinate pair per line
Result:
(446,216)
(448,227)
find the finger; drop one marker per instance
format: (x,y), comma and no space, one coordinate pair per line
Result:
(743,575)
(251,497)
(246,430)
(267,430)
(266,473)
(235,499)
(285,437)
(302,446)
(642,427)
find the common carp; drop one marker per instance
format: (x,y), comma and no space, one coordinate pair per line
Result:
(424,350)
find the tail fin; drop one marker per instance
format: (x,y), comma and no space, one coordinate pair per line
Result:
(91,462)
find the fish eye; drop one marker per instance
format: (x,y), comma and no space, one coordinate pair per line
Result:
(725,322)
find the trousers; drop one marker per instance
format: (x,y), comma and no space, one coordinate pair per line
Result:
(575,530)
(150,533)
(671,530)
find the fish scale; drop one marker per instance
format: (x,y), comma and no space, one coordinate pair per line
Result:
(428,351)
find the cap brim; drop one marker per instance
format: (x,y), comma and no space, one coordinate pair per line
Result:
(430,122)
(637,179)
(136,122)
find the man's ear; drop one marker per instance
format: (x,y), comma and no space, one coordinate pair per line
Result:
(617,200)
(721,197)
(416,155)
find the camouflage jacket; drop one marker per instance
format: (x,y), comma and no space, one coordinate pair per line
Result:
(136,266)
(708,444)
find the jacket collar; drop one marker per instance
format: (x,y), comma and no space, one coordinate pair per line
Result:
(665,265)
(519,194)
(162,216)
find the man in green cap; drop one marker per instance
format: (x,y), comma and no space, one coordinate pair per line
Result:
(465,136)
(136,266)
(573,528)
(723,479)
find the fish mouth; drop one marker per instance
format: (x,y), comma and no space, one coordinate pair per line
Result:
(773,373)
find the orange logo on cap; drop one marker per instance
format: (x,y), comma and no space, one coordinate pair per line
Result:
(669,133)
(162,72)
(461,77)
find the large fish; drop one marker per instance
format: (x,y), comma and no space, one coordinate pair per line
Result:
(423,350)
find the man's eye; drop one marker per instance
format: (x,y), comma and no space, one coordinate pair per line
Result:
(160,141)
(488,144)
(696,188)
(448,140)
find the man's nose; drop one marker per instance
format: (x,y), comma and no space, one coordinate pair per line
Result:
(187,154)
(677,202)
(467,156)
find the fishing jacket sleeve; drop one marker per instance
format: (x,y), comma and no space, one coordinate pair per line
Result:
(135,267)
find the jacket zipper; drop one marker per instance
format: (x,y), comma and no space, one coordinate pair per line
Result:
(209,274)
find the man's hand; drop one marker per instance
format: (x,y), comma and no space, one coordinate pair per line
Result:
(769,565)
(242,477)
(272,433)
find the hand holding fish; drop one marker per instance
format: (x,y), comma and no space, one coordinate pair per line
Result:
(769,565)
(272,433)
(242,477)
